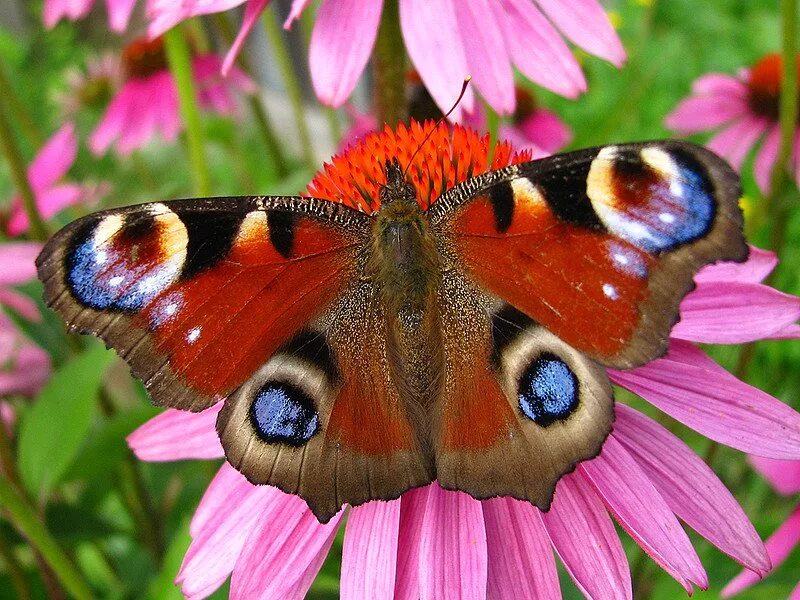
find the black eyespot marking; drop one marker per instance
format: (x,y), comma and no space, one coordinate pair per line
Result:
(548,390)
(507,324)
(282,413)
(281,227)
(313,348)
(501,196)
(564,190)
(210,239)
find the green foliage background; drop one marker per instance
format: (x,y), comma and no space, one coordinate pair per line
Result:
(72,457)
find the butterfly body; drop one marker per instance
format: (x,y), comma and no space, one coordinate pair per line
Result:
(439,320)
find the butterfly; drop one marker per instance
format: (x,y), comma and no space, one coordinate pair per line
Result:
(438,327)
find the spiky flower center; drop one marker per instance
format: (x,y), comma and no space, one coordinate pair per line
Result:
(449,156)
(143,58)
(764,85)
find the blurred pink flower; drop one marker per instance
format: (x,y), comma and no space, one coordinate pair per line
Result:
(119,11)
(147,103)
(744,109)
(90,86)
(433,543)
(445,40)
(50,164)
(784,475)
(24,367)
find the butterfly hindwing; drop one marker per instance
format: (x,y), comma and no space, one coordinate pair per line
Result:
(196,294)
(599,246)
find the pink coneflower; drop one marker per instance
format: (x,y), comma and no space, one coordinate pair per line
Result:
(91,86)
(432,543)
(119,11)
(48,167)
(744,109)
(784,475)
(445,41)
(147,103)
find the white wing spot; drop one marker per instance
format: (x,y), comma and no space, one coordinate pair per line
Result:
(193,335)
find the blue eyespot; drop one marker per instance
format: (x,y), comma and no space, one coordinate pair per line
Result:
(282,413)
(548,390)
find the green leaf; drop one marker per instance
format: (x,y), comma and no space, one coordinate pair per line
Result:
(72,524)
(163,587)
(55,426)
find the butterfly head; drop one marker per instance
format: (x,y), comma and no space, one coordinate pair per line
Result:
(397,188)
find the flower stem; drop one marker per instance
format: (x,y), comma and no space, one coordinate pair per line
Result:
(17,109)
(281,51)
(263,121)
(15,571)
(25,519)
(788,95)
(389,66)
(180,64)
(38,228)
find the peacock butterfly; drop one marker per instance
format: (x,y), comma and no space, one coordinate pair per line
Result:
(441,315)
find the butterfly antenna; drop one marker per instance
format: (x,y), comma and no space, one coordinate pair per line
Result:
(464,85)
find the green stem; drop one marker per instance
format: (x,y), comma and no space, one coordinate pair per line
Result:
(263,121)
(18,111)
(389,66)
(24,518)
(180,64)
(38,229)
(281,52)
(788,95)
(15,571)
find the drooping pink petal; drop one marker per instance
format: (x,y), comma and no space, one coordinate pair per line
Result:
(783,475)
(55,10)
(521,563)
(735,141)
(285,540)
(178,435)
(119,13)
(369,557)
(412,515)
(690,488)
(298,6)
(790,332)
(546,130)
(720,84)
(437,52)
(779,545)
(520,141)
(766,157)
(49,202)
(230,508)
(587,25)
(701,113)
(755,269)
(143,116)
(165,14)
(336,61)
(26,367)
(54,159)
(692,388)
(641,511)
(114,119)
(453,556)
(17,262)
(587,543)
(537,49)
(21,304)
(485,51)
(733,313)
(252,11)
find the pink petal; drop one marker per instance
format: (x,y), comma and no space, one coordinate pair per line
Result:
(452,556)
(587,25)
(178,435)
(586,541)
(336,61)
(413,506)
(54,159)
(790,332)
(165,14)
(690,387)
(20,304)
(49,201)
(17,262)
(369,557)
(700,113)
(252,11)
(546,130)
(285,540)
(298,6)
(434,44)
(779,546)
(55,10)
(734,142)
(766,158)
(520,141)
(485,51)
(783,475)
(28,371)
(521,563)
(119,13)
(230,508)
(114,119)
(537,49)
(143,115)
(719,84)
(642,512)
(734,313)
(690,488)
(755,269)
